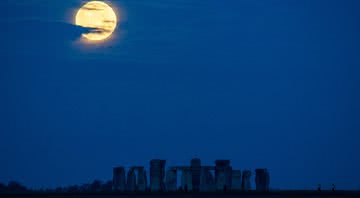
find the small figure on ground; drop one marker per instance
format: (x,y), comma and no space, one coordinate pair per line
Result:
(333,187)
(186,188)
(319,187)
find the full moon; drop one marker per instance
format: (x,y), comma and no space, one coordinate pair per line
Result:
(98,16)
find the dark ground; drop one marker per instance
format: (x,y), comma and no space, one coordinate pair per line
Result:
(280,194)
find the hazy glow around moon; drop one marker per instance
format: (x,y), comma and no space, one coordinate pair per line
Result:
(97,15)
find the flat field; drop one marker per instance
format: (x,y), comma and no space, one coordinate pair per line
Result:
(278,194)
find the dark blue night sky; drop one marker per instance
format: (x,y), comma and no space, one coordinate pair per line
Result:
(265,83)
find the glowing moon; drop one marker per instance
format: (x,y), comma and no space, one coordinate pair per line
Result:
(97,15)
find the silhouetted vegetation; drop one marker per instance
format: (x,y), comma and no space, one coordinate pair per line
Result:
(96,186)
(13,187)
(2,187)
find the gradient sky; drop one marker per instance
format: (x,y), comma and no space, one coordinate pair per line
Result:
(265,83)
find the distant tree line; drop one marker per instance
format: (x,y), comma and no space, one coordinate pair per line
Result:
(13,186)
(96,186)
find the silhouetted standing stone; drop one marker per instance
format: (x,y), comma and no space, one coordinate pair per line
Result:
(195,174)
(131,181)
(171,180)
(246,184)
(207,181)
(262,180)
(157,175)
(236,180)
(186,179)
(119,179)
(223,172)
(141,180)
